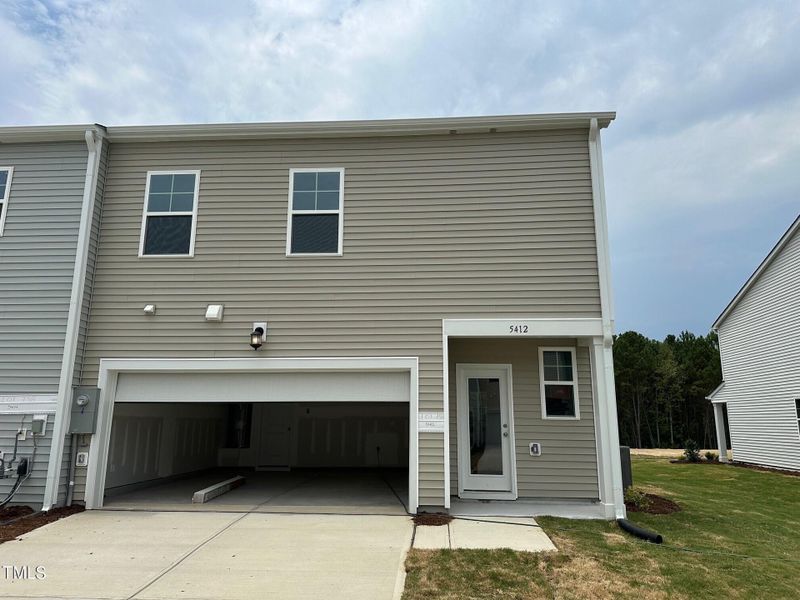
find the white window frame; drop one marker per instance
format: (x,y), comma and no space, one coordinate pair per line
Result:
(574,382)
(291,212)
(6,196)
(193,213)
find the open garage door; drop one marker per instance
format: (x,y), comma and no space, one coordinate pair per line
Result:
(308,442)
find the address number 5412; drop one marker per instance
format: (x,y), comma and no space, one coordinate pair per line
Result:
(517,329)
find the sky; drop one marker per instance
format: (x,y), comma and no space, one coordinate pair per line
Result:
(702,165)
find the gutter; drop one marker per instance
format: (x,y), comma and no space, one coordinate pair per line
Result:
(94,142)
(313,129)
(44,133)
(365,128)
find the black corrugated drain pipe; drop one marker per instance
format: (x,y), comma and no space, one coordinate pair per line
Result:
(645,534)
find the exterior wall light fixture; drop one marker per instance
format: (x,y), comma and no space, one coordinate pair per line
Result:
(257,336)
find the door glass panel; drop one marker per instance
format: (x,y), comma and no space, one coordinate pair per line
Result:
(485,426)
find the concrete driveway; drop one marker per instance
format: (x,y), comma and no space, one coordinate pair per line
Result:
(154,555)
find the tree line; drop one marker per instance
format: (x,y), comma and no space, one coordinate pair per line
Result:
(662,388)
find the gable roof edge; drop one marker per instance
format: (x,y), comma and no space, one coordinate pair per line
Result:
(776,250)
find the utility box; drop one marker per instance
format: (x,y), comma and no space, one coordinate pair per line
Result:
(627,472)
(39,424)
(83,416)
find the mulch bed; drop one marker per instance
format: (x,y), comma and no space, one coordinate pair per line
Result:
(736,463)
(745,465)
(658,505)
(24,524)
(13,512)
(434,519)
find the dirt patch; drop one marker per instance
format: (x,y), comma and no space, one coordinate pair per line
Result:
(13,512)
(578,576)
(434,519)
(16,528)
(656,505)
(664,452)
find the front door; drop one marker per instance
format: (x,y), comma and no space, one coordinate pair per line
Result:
(485,431)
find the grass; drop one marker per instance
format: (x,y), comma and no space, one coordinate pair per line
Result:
(736,537)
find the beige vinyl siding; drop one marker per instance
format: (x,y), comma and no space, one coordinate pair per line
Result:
(478,225)
(91,261)
(761,365)
(37,254)
(568,465)
(32,491)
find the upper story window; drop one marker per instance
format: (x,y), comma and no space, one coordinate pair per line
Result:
(559,383)
(316,199)
(170,213)
(5,190)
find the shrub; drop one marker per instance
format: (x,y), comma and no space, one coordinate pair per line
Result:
(711,456)
(637,498)
(691,451)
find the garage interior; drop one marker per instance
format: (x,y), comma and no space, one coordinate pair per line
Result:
(314,457)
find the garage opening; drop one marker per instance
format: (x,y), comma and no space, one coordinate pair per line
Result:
(304,442)
(342,457)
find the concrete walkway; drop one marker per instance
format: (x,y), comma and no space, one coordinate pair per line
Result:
(521,534)
(209,556)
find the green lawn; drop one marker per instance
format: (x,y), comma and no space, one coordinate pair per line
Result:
(738,536)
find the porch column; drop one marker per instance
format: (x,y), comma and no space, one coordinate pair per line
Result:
(722,440)
(607,431)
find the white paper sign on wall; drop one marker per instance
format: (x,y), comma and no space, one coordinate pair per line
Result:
(431,422)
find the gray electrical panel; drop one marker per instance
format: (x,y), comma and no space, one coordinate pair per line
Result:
(83,417)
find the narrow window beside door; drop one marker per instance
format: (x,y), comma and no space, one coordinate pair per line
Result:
(170,213)
(315,212)
(559,383)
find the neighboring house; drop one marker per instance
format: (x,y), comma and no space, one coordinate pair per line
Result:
(426,294)
(759,340)
(49,177)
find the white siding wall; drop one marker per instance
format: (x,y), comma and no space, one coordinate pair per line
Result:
(760,346)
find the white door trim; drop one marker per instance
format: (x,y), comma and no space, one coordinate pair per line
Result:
(111,368)
(462,370)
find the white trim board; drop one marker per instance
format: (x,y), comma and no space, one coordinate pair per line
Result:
(523,327)
(24,404)
(111,368)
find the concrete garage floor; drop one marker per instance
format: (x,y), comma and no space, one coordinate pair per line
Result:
(208,556)
(317,491)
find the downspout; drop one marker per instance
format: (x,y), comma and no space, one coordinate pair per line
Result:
(94,143)
(610,427)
